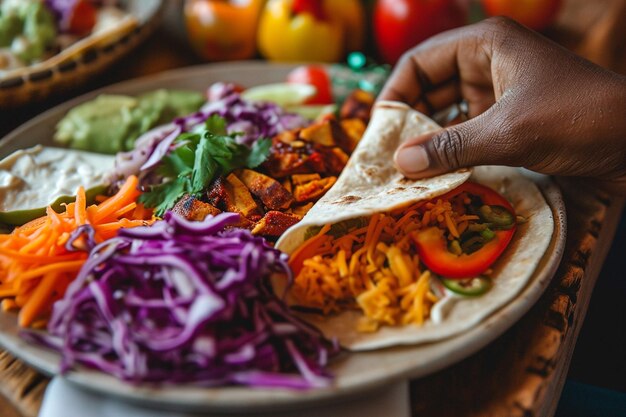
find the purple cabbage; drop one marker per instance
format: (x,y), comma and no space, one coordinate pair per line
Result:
(183,301)
(251,120)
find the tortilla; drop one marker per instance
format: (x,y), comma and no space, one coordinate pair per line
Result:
(370,184)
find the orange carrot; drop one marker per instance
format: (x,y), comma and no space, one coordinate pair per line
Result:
(35,265)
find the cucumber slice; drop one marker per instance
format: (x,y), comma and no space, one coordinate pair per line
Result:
(20,217)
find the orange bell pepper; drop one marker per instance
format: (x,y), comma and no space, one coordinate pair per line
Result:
(223,29)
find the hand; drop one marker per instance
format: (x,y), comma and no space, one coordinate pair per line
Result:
(531,103)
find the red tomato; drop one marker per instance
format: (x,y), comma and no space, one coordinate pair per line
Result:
(401,24)
(317,76)
(83,18)
(314,7)
(536,14)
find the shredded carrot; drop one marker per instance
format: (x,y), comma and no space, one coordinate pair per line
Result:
(35,265)
(374,268)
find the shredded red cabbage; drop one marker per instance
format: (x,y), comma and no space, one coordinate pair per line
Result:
(252,120)
(183,301)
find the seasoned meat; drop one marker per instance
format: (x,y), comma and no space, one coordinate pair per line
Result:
(230,194)
(354,129)
(267,189)
(313,190)
(320,133)
(357,105)
(241,200)
(193,209)
(301,211)
(274,224)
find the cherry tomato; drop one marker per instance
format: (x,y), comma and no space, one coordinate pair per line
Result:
(401,24)
(82,18)
(317,76)
(536,14)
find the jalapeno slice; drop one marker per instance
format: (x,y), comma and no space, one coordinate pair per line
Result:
(471,287)
(497,216)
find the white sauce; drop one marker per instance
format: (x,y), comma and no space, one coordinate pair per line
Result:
(36,177)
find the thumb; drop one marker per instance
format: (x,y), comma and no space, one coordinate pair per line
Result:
(475,142)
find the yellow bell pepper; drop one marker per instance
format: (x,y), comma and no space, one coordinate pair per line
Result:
(352,16)
(223,29)
(286,34)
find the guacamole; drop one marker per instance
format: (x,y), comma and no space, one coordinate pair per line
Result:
(112,123)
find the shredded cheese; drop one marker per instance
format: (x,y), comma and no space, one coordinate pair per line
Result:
(375,269)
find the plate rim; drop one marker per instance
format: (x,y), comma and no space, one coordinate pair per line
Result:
(200,399)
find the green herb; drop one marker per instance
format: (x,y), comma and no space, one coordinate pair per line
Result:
(197,160)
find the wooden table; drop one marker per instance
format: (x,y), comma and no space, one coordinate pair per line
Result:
(520,374)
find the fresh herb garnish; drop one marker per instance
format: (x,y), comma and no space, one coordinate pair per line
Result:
(197,160)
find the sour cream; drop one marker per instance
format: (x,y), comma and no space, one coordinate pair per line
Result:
(36,177)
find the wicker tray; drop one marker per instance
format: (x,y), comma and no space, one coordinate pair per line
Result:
(82,61)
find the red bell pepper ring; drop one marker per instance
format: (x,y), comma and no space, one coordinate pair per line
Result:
(432,246)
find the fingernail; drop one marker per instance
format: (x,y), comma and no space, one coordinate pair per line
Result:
(412,159)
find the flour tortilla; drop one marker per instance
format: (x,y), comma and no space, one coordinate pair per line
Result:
(370,184)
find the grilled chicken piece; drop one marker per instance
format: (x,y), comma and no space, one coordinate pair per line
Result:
(354,129)
(241,199)
(313,190)
(285,160)
(320,133)
(301,211)
(230,194)
(274,224)
(267,189)
(300,179)
(193,209)
(357,105)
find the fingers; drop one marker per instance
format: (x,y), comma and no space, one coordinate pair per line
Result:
(484,140)
(442,71)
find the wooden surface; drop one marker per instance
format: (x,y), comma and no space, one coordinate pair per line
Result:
(520,374)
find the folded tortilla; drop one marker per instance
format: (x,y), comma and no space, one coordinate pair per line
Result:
(371,184)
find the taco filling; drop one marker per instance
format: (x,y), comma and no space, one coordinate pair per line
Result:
(394,266)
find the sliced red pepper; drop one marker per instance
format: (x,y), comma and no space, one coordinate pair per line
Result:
(432,246)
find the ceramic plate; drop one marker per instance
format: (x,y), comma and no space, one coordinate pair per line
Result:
(355,373)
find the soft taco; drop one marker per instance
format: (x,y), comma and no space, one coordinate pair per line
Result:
(382,260)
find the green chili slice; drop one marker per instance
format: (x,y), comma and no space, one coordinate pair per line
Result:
(471,287)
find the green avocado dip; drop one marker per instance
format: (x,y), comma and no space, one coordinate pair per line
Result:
(32,179)
(112,123)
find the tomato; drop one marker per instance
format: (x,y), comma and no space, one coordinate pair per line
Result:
(401,24)
(432,246)
(82,18)
(536,14)
(314,7)
(318,77)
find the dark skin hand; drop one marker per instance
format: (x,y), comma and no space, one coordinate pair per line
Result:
(531,103)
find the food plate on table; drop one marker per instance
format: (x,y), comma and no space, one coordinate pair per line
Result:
(354,372)
(64,43)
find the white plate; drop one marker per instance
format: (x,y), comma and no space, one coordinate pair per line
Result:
(355,373)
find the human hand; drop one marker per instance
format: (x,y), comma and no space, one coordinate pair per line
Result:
(531,103)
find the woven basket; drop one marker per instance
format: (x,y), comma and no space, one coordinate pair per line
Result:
(83,60)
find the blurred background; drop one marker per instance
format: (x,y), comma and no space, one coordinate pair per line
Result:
(372,35)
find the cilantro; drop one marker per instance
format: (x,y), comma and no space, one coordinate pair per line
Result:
(197,159)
